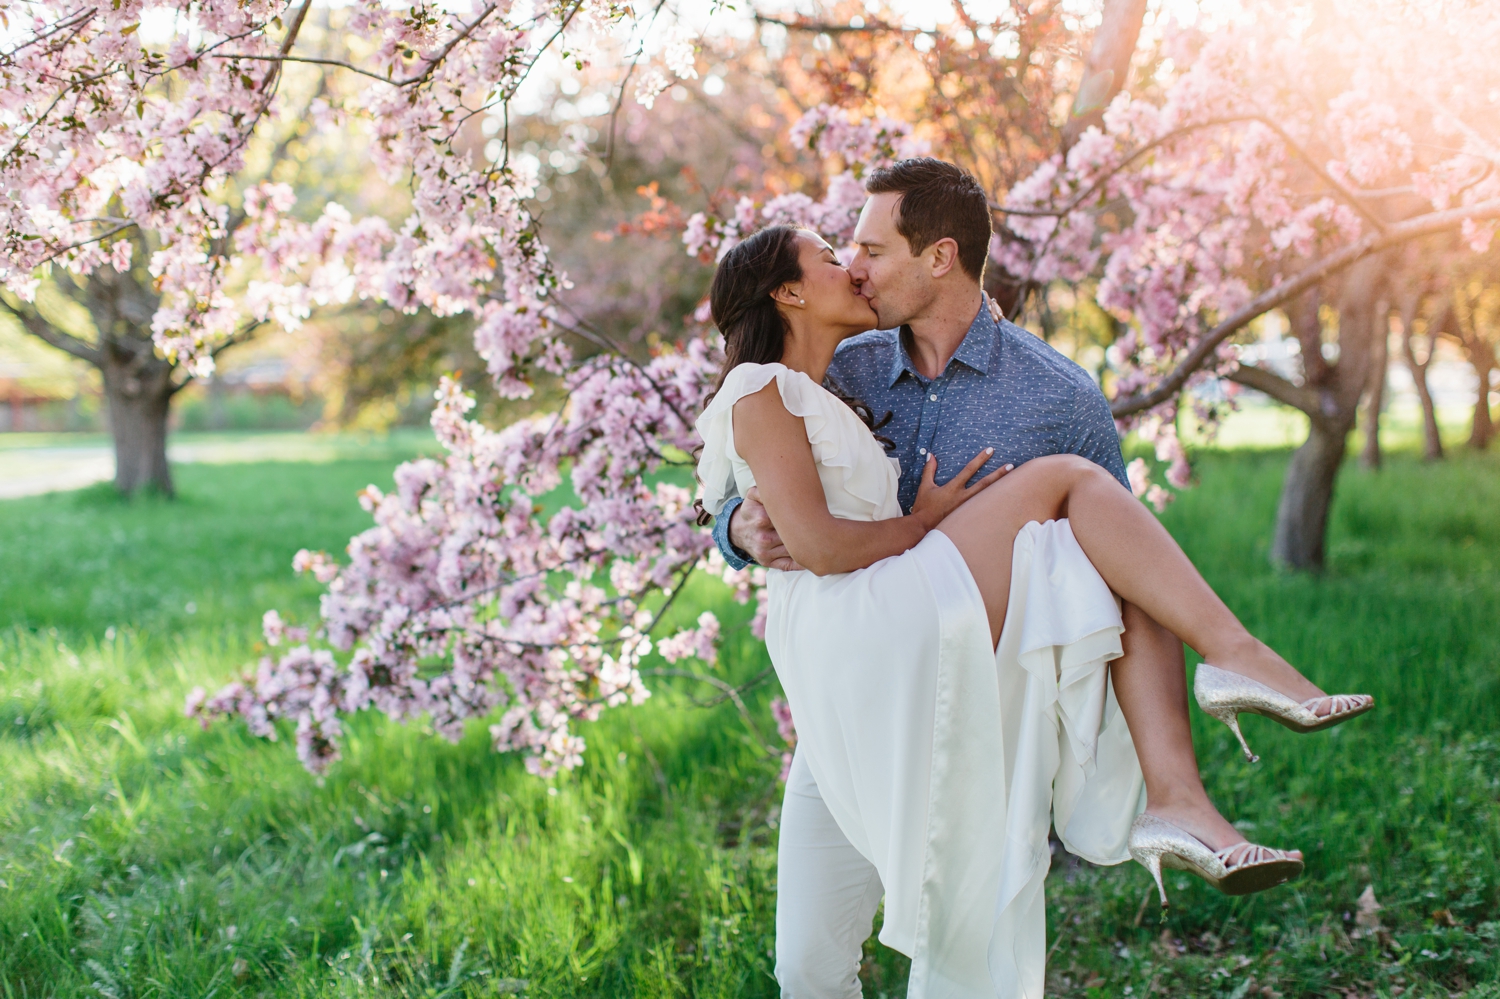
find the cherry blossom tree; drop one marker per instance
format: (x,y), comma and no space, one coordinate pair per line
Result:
(139,385)
(1283,161)
(1237,179)
(1294,154)
(1472,320)
(462,600)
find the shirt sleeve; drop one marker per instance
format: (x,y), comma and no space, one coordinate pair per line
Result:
(737,559)
(1094,435)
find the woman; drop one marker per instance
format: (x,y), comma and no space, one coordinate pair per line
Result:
(892,645)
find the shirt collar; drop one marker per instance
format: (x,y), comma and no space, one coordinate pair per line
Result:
(975,352)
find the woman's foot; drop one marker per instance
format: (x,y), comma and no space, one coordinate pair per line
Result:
(1254,659)
(1225,694)
(1240,869)
(1202,820)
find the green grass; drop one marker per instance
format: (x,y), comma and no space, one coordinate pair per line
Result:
(142,856)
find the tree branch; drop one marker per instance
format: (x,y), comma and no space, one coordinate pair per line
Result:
(1107,66)
(274,72)
(1402,232)
(432,63)
(829,28)
(1348,196)
(38,327)
(727,692)
(614,114)
(1301,397)
(314,61)
(85,242)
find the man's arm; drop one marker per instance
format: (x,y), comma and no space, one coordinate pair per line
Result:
(736,558)
(753,530)
(753,534)
(1093,434)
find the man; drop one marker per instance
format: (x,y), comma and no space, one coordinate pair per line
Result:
(955,380)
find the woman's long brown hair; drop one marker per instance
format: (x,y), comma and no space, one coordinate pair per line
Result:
(754,329)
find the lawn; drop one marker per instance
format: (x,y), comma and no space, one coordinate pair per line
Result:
(142,856)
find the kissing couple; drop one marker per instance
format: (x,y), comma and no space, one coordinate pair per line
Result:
(979,629)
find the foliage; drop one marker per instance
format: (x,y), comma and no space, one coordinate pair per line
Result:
(1265,156)
(461,598)
(149,856)
(468,595)
(1278,144)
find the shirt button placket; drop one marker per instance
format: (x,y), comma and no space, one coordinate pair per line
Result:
(929,417)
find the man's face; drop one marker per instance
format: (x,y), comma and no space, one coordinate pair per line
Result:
(896,284)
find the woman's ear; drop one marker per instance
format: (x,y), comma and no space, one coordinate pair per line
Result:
(789,295)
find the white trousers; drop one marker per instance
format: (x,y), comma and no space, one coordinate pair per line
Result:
(826,897)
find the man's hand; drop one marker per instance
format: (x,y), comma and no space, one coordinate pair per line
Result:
(750,530)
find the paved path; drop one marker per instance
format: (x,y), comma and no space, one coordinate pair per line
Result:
(51,467)
(28,471)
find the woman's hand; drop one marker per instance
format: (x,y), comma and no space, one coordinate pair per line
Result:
(934,502)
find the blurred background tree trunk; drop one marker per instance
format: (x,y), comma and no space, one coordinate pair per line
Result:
(1474,322)
(116,339)
(1411,308)
(1329,394)
(1107,69)
(138,387)
(1380,352)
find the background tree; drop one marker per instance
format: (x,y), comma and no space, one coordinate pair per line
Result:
(1374,406)
(1218,189)
(1275,171)
(119,303)
(1472,320)
(104,307)
(1415,326)
(1264,165)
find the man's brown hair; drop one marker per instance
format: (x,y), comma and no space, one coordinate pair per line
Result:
(938,200)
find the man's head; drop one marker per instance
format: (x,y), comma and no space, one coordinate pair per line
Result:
(924,233)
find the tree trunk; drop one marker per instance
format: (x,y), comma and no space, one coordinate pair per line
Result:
(1432,443)
(1107,68)
(1330,397)
(138,387)
(1371,457)
(1482,430)
(1482,356)
(1306,495)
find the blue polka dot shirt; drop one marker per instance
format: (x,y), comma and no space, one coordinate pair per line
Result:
(1004,388)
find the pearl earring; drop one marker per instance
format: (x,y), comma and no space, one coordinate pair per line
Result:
(801,301)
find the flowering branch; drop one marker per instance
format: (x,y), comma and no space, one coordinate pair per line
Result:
(1403,232)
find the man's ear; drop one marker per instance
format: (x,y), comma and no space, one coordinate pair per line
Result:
(944,256)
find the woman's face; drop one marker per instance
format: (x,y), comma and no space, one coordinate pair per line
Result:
(833,303)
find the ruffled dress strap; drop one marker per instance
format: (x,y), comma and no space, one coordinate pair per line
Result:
(715,427)
(839,442)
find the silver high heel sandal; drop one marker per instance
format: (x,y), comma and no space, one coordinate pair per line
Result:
(1241,869)
(1224,695)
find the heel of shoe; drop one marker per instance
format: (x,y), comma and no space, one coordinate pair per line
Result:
(1151,861)
(1231,717)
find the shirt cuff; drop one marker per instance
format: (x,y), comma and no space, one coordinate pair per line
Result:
(737,559)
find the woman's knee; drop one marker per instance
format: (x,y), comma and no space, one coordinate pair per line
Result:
(1065,467)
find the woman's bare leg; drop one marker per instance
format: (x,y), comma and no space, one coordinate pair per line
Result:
(1132,551)
(1165,600)
(1150,682)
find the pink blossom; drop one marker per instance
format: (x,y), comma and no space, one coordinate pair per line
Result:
(464,599)
(782,712)
(700,643)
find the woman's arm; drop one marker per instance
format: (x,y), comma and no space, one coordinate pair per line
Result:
(774,444)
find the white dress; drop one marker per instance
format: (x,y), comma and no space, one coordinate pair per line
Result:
(942,761)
